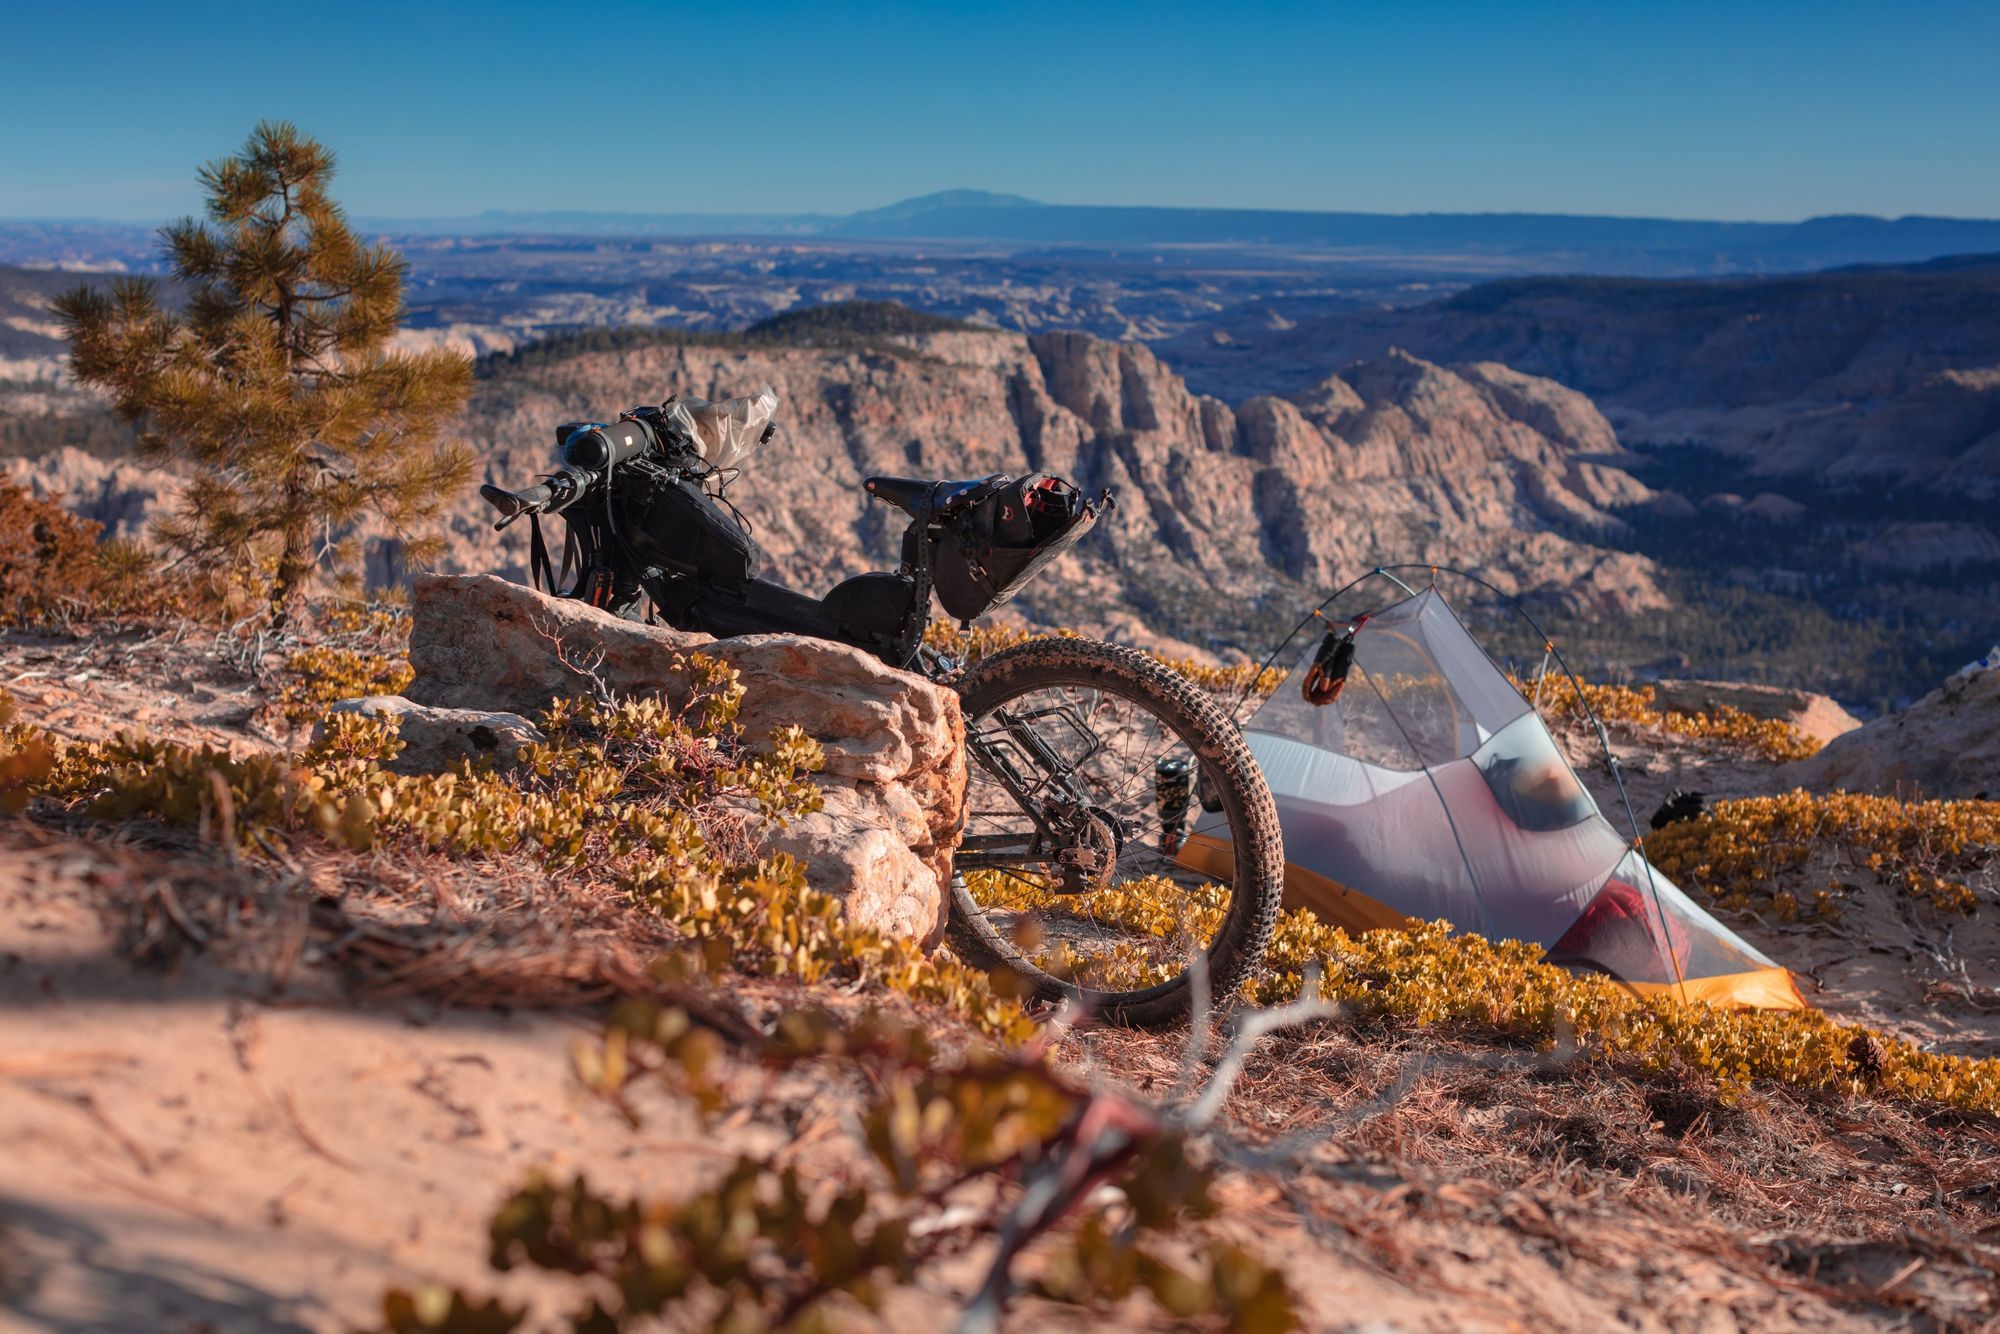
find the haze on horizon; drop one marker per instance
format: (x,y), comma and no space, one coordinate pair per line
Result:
(1766,111)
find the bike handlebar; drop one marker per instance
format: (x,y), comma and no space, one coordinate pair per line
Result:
(589,451)
(513,504)
(559,491)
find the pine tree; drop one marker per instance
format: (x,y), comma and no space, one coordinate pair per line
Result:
(276,380)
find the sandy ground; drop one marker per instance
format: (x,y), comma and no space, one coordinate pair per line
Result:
(199,1140)
(188,1149)
(210,1148)
(207,1147)
(180,686)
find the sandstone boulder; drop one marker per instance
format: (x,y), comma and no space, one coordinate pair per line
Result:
(436,739)
(1816,716)
(1947,744)
(894,742)
(860,846)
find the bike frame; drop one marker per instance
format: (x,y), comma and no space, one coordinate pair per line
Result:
(1041,781)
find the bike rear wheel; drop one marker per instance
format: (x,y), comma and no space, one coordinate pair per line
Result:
(1117,831)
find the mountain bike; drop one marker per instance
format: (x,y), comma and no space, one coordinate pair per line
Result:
(1076,871)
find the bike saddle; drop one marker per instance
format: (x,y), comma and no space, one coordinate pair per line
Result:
(909,494)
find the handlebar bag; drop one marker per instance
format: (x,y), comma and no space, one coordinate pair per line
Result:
(988,553)
(677,526)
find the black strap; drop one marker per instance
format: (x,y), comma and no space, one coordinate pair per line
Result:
(572,564)
(539,573)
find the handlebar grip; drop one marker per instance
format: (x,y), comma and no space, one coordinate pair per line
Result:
(513,504)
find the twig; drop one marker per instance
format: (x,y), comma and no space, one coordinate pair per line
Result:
(311,1141)
(1887,1284)
(1251,1029)
(87,1104)
(586,667)
(1198,1027)
(60,1064)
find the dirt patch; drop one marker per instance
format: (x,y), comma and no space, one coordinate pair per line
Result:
(180,682)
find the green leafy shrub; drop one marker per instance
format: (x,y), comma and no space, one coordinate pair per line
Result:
(758,1250)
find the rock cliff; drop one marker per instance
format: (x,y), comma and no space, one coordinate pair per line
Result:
(1220,507)
(1395,459)
(1878,376)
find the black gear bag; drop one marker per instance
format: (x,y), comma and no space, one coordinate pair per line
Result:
(1000,542)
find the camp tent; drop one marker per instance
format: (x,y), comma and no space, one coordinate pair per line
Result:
(1430,788)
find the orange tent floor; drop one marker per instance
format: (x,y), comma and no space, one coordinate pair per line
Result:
(1351,910)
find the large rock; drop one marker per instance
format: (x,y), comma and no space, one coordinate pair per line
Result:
(436,739)
(895,761)
(1947,744)
(1813,715)
(861,845)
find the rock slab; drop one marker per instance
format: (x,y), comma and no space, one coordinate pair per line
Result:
(895,758)
(1814,715)
(436,739)
(1947,744)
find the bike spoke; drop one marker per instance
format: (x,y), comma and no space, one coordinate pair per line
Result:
(1146,913)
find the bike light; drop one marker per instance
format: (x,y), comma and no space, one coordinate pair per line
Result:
(597,446)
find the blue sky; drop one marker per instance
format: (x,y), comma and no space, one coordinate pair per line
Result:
(1739,110)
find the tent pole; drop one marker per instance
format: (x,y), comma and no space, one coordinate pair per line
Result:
(1383,570)
(1307,619)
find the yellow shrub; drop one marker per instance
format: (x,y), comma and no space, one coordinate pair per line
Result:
(635,790)
(1772,738)
(1634,707)
(1740,848)
(26,758)
(1430,976)
(316,677)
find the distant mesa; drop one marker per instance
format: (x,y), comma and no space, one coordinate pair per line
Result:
(941,200)
(1772,508)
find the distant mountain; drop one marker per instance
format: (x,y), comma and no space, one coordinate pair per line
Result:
(938,202)
(885,221)
(1580,244)
(1466,245)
